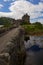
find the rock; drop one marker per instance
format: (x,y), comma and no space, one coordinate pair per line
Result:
(4,59)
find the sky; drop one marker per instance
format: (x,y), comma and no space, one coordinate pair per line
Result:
(17,8)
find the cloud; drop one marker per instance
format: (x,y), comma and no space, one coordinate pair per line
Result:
(6,0)
(41,0)
(1,5)
(20,7)
(40,20)
(27,7)
(13,0)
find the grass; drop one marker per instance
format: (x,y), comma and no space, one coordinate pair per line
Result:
(33,29)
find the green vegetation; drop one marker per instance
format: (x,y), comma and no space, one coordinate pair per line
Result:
(33,29)
(6,22)
(24,23)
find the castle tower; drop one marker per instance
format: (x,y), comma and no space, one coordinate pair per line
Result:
(26,18)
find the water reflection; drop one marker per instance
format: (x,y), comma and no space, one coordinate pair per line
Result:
(34,40)
(34,57)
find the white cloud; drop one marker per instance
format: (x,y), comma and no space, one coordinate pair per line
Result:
(40,20)
(27,7)
(13,0)
(1,5)
(3,14)
(6,0)
(20,7)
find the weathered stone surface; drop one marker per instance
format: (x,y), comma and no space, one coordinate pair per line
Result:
(18,54)
(4,59)
(14,53)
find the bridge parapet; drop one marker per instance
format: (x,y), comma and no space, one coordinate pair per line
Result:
(14,52)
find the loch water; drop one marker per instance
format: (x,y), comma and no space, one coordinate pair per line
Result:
(34,50)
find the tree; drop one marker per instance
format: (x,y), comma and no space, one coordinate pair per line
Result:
(5,21)
(38,25)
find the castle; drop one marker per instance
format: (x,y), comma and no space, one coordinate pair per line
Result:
(25,18)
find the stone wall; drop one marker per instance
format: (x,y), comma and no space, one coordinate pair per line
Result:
(14,53)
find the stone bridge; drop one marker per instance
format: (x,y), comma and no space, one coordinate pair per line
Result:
(12,49)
